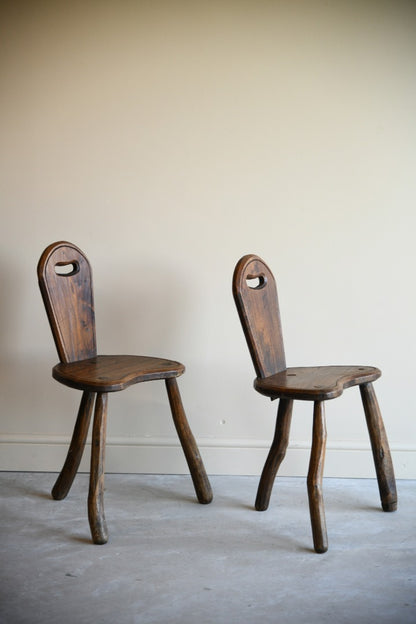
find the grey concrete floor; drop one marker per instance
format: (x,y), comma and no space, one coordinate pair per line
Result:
(170,560)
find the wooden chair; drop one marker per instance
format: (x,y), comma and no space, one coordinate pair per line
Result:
(65,282)
(255,295)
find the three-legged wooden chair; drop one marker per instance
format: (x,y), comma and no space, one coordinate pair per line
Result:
(65,282)
(255,295)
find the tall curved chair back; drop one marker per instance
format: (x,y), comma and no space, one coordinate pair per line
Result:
(65,281)
(255,295)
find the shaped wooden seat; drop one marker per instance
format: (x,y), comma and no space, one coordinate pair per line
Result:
(315,383)
(65,282)
(110,373)
(255,295)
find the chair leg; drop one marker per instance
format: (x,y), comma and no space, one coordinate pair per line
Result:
(76,448)
(96,491)
(187,440)
(380,448)
(315,474)
(276,454)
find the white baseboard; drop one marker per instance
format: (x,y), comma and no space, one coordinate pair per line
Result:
(229,457)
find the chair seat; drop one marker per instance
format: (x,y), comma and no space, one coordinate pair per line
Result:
(110,373)
(315,383)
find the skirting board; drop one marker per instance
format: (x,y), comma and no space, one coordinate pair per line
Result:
(226,457)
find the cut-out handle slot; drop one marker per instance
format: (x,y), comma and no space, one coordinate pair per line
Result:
(66,269)
(256,282)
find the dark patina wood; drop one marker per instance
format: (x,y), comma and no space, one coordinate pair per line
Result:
(276,454)
(76,448)
(255,295)
(96,515)
(315,383)
(65,281)
(111,373)
(380,448)
(190,448)
(314,481)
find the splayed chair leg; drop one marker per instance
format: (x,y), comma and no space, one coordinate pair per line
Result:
(276,454)
(96,491)
(380,447)
(187,440)
(76,448)
(315,474)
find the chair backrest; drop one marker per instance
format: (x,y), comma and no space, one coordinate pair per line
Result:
(255,295)
(65,281)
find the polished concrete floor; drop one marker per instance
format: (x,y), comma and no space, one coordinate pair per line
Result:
(170,560)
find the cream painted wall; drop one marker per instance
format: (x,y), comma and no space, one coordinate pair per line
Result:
(167,139)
